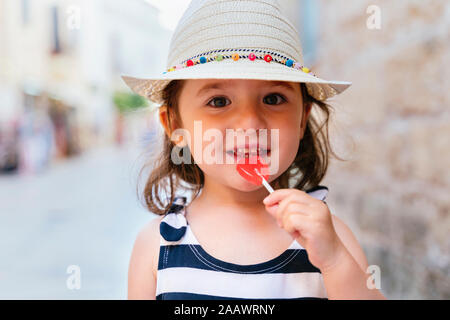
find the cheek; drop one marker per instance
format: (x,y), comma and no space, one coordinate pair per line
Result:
(285,147)
(206,143)
(288,147)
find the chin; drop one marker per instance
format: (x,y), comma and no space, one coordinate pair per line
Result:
(239,183)
(235,181)
(247,187)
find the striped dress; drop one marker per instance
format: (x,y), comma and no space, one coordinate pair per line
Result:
(187,271)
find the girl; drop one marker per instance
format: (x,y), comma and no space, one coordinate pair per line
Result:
(236,64)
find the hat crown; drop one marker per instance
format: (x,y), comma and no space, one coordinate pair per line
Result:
(209,25)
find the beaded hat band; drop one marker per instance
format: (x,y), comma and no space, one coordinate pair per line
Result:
(234,39)
(236,54)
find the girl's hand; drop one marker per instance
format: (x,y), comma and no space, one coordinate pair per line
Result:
(309,221)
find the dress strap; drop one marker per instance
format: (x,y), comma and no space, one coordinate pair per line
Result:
(318,192)
(173,226)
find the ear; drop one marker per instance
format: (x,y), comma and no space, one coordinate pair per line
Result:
(308,108)
(164,119)
(168,123)
(306,112)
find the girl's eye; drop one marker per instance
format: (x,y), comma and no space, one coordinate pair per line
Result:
(220,101)
(272,99)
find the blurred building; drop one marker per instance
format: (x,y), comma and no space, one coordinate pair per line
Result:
(63,59)
(393,127)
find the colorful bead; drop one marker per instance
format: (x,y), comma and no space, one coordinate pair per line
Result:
(297,66)
(203,60)
(252,56)
(305,70)
(219,57)
(171,69)
(268,58)
(178,67)
(235,57)
(290,62)
(189,63)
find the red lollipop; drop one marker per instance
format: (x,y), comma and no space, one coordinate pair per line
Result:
(254,170)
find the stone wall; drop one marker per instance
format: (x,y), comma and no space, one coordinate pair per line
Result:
(393,128)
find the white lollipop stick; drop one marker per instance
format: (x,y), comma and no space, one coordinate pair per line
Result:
(264,182)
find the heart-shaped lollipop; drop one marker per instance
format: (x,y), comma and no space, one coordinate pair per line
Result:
(254,170)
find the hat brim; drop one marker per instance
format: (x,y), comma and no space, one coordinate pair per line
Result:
(152,85)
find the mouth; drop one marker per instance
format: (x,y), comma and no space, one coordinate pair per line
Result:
(246,152)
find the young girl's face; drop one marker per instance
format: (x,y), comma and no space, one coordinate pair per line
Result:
(242,105)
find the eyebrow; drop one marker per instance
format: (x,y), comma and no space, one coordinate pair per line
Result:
(221,85)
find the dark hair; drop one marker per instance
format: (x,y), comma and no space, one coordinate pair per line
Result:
(166,178)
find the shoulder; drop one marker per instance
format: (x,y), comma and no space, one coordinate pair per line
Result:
(349,240)
(148,241)
(144,261)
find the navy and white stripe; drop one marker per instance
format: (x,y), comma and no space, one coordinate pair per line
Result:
(187,271)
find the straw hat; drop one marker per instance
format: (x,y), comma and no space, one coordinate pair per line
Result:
(234,39)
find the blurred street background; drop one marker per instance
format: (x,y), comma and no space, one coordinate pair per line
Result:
(73,137)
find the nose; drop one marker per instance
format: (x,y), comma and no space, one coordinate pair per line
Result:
(249,124)
(249,116)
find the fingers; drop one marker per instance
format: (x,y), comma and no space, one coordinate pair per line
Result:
(293,223)
(281,194)
(298,226)
(279,212)
(292,208)
(276,196)
(289,206)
